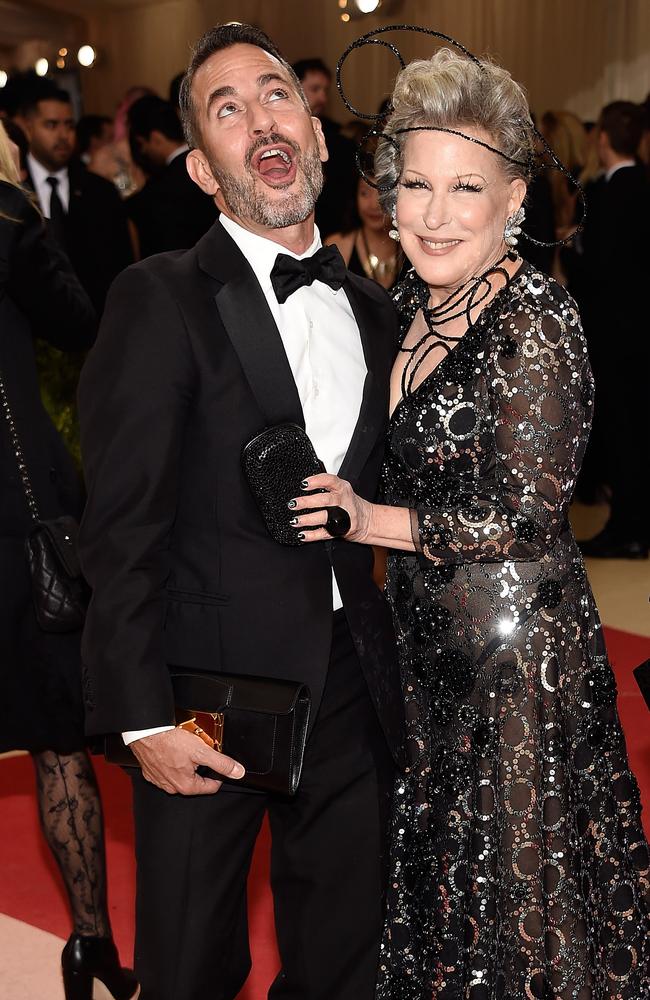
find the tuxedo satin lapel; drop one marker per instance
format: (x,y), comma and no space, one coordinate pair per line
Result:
(256,339)
(374,403)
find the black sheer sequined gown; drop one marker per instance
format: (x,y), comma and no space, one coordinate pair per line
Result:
(519,868)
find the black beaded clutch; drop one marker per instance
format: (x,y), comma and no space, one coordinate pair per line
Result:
(275,464)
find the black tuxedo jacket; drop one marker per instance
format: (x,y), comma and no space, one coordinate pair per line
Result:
(97,237)
(613,285)
(170,212)
(180,562)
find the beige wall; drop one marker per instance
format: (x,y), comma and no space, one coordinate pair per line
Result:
(576,54)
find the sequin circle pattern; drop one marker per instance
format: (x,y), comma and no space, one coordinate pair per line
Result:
(519,869)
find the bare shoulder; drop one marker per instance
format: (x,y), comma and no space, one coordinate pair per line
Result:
(345,243)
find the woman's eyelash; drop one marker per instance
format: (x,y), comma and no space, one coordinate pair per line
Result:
(465,186)
(460,186)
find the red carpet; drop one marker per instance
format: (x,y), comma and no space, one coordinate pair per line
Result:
(30,888)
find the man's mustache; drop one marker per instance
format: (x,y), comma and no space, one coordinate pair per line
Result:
(273,139)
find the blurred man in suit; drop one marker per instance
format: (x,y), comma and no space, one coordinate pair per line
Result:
(339,188)
(85,212)
(615,263)
(94,133)
(171,212)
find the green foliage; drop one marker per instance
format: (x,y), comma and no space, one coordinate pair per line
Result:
(58,374)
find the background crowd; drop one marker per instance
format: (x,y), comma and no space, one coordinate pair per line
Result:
(116,190)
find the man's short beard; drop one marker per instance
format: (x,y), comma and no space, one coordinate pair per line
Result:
(246,201)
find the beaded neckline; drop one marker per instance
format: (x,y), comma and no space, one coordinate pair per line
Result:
(459,303)
(465,343)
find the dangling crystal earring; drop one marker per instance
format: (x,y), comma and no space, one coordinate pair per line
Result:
(512,228)
(394,232)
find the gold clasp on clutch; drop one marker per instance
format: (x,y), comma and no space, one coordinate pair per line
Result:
(208,726)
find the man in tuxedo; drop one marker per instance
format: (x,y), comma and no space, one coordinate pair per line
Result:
(85,212)
(340,172)
(614,311)
(170,212)
(193,344)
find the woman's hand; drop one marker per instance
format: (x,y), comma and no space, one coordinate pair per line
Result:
(339,494)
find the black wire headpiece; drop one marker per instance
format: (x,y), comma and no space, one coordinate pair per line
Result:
(529,164)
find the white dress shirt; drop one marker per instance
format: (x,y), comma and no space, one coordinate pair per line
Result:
(323,346)
(39,175)
(184,148)
(618,166)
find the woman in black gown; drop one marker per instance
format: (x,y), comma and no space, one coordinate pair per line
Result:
(366,245)
(41,707)
(519,868)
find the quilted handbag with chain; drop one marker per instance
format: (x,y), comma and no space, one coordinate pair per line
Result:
(59,591)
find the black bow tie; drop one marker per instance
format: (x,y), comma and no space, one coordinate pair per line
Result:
(290,274)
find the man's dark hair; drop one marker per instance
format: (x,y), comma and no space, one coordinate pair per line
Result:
(43,90)
(175,89)
(622,123)
(90,127)
(221,37)
(305,66)
(153,114)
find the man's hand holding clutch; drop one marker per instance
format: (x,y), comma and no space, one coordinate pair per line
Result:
(170,760)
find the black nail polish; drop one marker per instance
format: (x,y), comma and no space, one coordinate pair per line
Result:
(304,484)
(291,505)
(301,536)
(293,522)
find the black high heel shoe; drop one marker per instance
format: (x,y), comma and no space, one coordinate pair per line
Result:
(92,971)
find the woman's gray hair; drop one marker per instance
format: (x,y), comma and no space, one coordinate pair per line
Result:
(452,91)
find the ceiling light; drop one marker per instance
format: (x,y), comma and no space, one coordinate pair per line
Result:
(3,78)
(86,55)
(41,66)
(356,10)
(63,52)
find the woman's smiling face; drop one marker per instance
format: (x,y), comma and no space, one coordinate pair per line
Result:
(452,204)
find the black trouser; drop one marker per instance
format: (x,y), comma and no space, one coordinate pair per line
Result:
(327,871)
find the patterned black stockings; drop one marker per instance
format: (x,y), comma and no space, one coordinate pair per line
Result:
(71,818)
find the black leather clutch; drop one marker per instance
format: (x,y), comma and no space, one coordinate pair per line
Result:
(259,721)
(275,463)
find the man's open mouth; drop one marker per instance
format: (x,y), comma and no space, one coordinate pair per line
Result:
(275,164)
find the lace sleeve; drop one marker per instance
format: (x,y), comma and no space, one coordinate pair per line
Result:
(540,400)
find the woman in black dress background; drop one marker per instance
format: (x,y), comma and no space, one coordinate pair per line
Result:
(40,673)
(365,244)
(519,867)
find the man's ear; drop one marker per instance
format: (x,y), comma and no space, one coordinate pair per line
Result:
(199,170)
(320,139)
(157,138)
(602,141)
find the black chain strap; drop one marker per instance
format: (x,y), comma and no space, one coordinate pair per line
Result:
(18,452)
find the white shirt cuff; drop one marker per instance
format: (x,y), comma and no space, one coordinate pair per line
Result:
(139,734)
